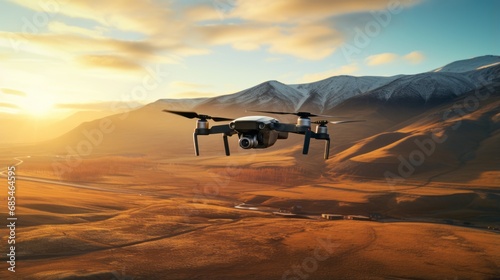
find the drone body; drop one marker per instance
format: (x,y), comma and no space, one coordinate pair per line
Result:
(259,132)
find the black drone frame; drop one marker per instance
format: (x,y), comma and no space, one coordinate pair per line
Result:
(302,127)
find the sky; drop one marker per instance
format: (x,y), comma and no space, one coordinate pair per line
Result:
(60,56)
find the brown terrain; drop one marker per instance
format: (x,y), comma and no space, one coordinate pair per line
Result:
(154,218)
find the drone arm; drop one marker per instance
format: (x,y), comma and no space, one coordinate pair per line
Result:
(227,131)
(216,129)
(285,127)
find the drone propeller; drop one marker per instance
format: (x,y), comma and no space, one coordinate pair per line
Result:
(300,114)
(192,115)
(324,122)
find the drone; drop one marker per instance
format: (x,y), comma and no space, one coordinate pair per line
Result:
(260,132)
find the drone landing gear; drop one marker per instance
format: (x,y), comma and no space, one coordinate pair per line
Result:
(226,145)
(196,146)
(320,136)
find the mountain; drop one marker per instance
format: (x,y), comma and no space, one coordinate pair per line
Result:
(178,104)
(272,95)
(428,88)
(471,64)
(400,111)
(456,141)
(19,128)
(323,96)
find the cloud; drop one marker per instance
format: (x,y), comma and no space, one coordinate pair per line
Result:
(414,57)
(53,44)
(109,61)
(59,27)
(146,32)
(237,34)
(311,42)
(8,105)
(382,58)
(155,31)
(147,17)
(203,13)
(343,70)
(281,11)
(305,41)
(13,92)
(73,47)
(294,27)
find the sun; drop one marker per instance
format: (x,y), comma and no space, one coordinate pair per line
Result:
(37,106)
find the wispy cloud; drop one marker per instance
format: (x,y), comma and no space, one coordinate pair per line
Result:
(414,57)
(281,11)
(13,92)
(99,52)
(126,15)
(109,61)
(382,58)
(298,28)
(59,27)
(311,42)
(8,105)
(305,41)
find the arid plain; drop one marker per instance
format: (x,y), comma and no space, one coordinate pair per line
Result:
(146,217)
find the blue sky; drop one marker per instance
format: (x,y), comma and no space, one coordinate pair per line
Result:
(55,53)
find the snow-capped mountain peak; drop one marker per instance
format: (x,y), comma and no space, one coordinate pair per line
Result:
(471,64)
(445,83)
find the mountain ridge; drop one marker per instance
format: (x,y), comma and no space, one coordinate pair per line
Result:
(321,96)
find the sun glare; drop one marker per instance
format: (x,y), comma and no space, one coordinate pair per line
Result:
(37,106)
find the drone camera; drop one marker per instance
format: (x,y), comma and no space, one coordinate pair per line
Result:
(248,141)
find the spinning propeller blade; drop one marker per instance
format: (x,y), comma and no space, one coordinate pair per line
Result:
(192,115)
(324,122)
(346,121)
(300,114)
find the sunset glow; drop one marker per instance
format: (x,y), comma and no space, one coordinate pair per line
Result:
(38,105)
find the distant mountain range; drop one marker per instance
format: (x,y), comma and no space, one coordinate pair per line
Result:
(459,101)
(442,84)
